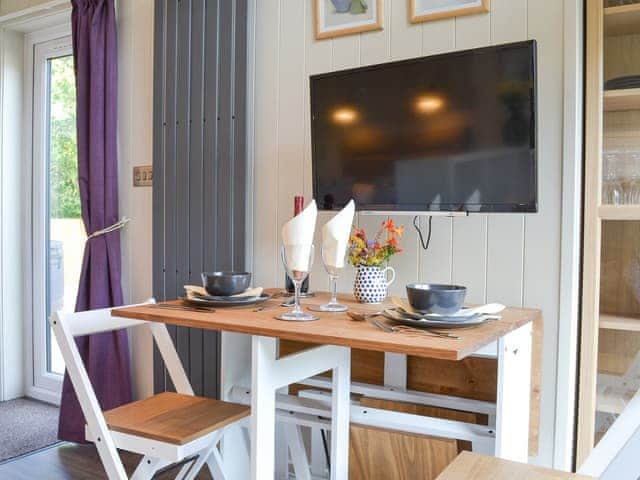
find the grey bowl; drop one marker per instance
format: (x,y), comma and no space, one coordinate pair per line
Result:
(436,298)
(224,284)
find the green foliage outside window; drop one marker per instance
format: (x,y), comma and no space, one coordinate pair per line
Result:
(63,173)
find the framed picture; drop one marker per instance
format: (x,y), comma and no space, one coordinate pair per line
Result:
(344,17)
(425,10)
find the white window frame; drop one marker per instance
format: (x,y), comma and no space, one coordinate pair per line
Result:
(39,47)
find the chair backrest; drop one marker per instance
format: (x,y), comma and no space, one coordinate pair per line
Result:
(65,327)
(615,457)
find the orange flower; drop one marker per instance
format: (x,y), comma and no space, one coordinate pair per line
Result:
(400,230)
(388,224)
(393,242)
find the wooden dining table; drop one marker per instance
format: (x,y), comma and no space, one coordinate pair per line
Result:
(334,335)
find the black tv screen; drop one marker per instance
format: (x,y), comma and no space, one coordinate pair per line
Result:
(451,132)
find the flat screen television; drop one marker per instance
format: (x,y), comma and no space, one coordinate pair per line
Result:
(450,132)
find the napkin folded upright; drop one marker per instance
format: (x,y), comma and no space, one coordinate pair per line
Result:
(297,237)
(335,236)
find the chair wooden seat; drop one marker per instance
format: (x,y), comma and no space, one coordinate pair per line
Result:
(174,418)
(471,466)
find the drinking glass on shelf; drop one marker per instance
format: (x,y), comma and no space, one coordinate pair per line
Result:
(297,262)
(611,186)
(633,185)
(334,273)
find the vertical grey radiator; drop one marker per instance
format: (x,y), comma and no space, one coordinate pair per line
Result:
(199,162)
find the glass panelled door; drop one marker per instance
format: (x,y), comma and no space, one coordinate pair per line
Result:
(58,231)
(618,372)
(610,324)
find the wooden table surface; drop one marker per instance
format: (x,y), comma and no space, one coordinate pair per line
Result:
(471,466)
(336,328)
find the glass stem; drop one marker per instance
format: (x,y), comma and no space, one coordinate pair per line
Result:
(334,290)
(296,307)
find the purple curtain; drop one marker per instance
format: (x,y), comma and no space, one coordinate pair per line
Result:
(106,355)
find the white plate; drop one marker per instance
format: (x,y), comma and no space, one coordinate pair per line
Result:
(441,322)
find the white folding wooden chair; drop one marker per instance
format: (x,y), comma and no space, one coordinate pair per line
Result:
(165,428)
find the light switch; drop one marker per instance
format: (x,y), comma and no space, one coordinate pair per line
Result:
(143,176)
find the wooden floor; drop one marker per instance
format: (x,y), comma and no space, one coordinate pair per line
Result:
(72,462)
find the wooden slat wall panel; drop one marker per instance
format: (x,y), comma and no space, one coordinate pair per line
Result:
(169,266)
(159,85)
(199,161)
(224,189)
(182,186)
(239,123)
(196,184)
(209,175)
(513,258)
(542,232)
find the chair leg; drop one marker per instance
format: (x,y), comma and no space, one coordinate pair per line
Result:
(199,463)
(297,451)
(246,440)
(147,467)
(185,470)
(215,465)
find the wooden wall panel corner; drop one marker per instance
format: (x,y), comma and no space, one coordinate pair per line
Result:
(200,162)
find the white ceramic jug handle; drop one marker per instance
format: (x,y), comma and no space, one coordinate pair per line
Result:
(393,275)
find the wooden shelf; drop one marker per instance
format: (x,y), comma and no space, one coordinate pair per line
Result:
(623,20)
(613,400)
(620,100)
(616,322)
(619,212)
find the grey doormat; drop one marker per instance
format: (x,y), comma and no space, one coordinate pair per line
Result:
(26,425)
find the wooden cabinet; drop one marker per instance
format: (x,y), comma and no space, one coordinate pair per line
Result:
(610,327)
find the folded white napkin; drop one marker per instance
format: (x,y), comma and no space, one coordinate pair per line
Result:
(297,237)
(335,236)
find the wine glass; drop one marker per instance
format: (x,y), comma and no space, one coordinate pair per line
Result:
(333,272)
(634,178)
(612,187)
(297,263)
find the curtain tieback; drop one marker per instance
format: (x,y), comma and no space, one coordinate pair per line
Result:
(111,228)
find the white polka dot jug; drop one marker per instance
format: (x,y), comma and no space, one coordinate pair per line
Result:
(371,284)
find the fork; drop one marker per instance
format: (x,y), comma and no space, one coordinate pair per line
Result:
(188,308)
(361,317)
(407,329)
(411,330)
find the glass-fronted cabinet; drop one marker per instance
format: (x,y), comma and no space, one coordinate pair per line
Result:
(610,327)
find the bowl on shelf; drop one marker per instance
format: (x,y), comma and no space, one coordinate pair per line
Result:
(225,284)
(436,298)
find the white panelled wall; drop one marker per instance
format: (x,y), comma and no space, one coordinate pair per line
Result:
(135,145)
(513,259)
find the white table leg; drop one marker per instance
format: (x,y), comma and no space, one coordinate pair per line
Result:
(340,412)
(514,395)
(263,408)
(269,374)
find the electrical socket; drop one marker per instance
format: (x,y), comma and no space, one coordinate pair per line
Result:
(143,176)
